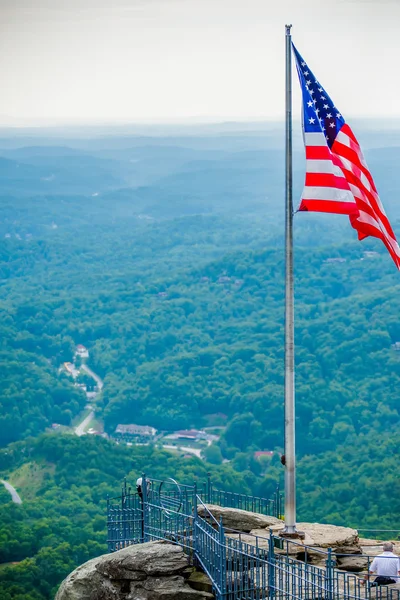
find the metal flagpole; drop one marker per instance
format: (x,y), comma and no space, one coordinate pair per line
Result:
(290,458)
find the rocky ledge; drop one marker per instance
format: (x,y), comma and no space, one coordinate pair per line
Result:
(151,571)
(240,520)
(344,541)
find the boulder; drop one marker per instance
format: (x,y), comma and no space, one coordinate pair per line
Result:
(165,588)
(237,519)
(328,536)
(317,538)
(354,564)
(137,562)
(316,534)
(85,583)
(350,558)
(151,571)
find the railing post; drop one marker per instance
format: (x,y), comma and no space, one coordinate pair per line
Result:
(222,566)
(108,524)
(271,565)
(195,515)
(124,512)
(329,576)
(144,510)
(277,503)
(209,488)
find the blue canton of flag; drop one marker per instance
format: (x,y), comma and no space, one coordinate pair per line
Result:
(319,112)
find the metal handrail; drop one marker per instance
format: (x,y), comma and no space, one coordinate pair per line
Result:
(209,514)
(246,566)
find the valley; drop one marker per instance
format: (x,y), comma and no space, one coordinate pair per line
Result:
(161,257)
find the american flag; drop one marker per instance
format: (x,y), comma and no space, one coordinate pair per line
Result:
(337,176)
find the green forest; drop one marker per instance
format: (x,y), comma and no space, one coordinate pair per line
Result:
(163,255)
(65,482)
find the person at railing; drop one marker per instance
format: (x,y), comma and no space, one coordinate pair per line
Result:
(139,482)
(386,566)
(139,487)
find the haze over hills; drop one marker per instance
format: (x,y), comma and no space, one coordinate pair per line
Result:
(161,250)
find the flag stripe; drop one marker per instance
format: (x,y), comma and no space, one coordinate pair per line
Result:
(334,195)
(366,193)
(325,166)
(318,153)
(315,138)
(337,176)
(327,206)
(324,179)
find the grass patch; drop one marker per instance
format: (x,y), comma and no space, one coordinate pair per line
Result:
(28,479)
(173,450)
(9,564)
(96,424)
(80,417)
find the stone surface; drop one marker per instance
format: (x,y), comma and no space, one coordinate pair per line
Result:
(240,520)
(85,583)
(326,536)
(316,534)
(200,581)
(354,564)
(146,559)
(329,536)
(151,571)
(165,588)
(374,547)
(263,541)
(322,535)
(339,550)
(318,537)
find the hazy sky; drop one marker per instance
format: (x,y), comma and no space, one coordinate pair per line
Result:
(145,60)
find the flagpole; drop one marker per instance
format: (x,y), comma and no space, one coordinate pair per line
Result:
(290,457)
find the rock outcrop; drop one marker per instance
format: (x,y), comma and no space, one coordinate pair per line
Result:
(318,537)
(151,571)
(235,518)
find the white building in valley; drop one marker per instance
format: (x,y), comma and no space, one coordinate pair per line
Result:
(82,351)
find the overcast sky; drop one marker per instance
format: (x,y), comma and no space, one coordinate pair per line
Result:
(151,60)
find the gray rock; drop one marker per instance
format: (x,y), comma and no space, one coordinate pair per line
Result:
(321,535)
(152,571)
(353,564)
(85,583)
(136,562)
(328,536)
(200,581)
(350,558)
(240,520)
(347,550)
(165,588)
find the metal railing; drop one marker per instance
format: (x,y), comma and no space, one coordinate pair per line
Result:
(241,566)
(376,534)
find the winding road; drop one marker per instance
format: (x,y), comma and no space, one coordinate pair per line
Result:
(80,429)
(14,494)
(195,451)
(95,377)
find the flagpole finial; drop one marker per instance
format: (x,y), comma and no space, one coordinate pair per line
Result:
(288,28)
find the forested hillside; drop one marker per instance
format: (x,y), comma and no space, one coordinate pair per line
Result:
(64,483)
(163,255)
